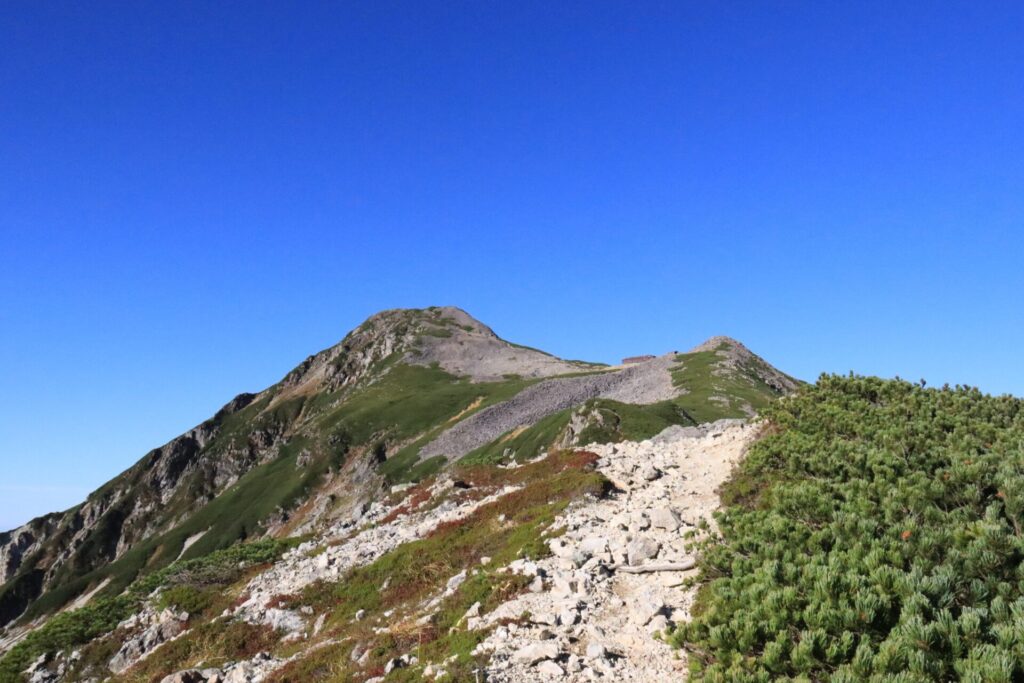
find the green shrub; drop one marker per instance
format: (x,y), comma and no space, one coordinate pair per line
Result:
(874,535)
(188,598)
(65,630)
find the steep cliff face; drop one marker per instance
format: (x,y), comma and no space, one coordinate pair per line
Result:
(401,396)
(57,549)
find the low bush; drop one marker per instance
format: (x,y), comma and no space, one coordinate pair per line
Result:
(874,535)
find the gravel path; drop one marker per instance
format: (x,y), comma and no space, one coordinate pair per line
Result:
(647,382)
(590,618)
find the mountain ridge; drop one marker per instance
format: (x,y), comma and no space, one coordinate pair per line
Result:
(336,430)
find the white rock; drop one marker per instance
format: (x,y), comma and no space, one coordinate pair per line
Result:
(658,624)
(536,652)
(242,673)
(642,548)
(549,668)
(638,520)
(664,518)
(546,618)
(473,611)
(568,616)
(650,473)
(649,606)
(455,582)
(594,545)
(561,586)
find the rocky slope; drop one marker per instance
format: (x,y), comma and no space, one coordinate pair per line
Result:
(409,396)
(613,582)
(590,606)
(174,481)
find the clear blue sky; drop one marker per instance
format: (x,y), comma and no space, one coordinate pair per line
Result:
(194,197)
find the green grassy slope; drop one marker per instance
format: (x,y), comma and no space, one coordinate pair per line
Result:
(715,390)
(874,535)
(405,402)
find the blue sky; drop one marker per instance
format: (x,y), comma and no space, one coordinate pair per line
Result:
(194,197)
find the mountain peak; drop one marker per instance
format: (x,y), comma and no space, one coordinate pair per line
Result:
(445,336)
(733,358)
(719,343)
(440,316)
(401,396)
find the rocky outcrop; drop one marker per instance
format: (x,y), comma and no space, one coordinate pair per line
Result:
(122,513)
(15,545)
(595,606)
(465,347)
(249,671)
(443,335)
(149,630)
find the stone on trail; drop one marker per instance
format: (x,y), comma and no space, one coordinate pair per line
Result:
(536,652)
(664,518)
(642,548)
(549,668)
(658,624)
(650,473)
(594,545)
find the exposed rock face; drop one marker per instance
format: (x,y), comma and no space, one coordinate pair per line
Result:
(445,335)
(123,512)
(14,545)
(151,629)
(183,474)
(472,349)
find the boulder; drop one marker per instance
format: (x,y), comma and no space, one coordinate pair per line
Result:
(594,545)
(658,624)
(549,668)
(536,652)
(641,549)
(664,518)
(649,473)
(455,582)
(187,676)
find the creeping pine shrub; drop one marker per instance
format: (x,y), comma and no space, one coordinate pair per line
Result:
(875,534)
